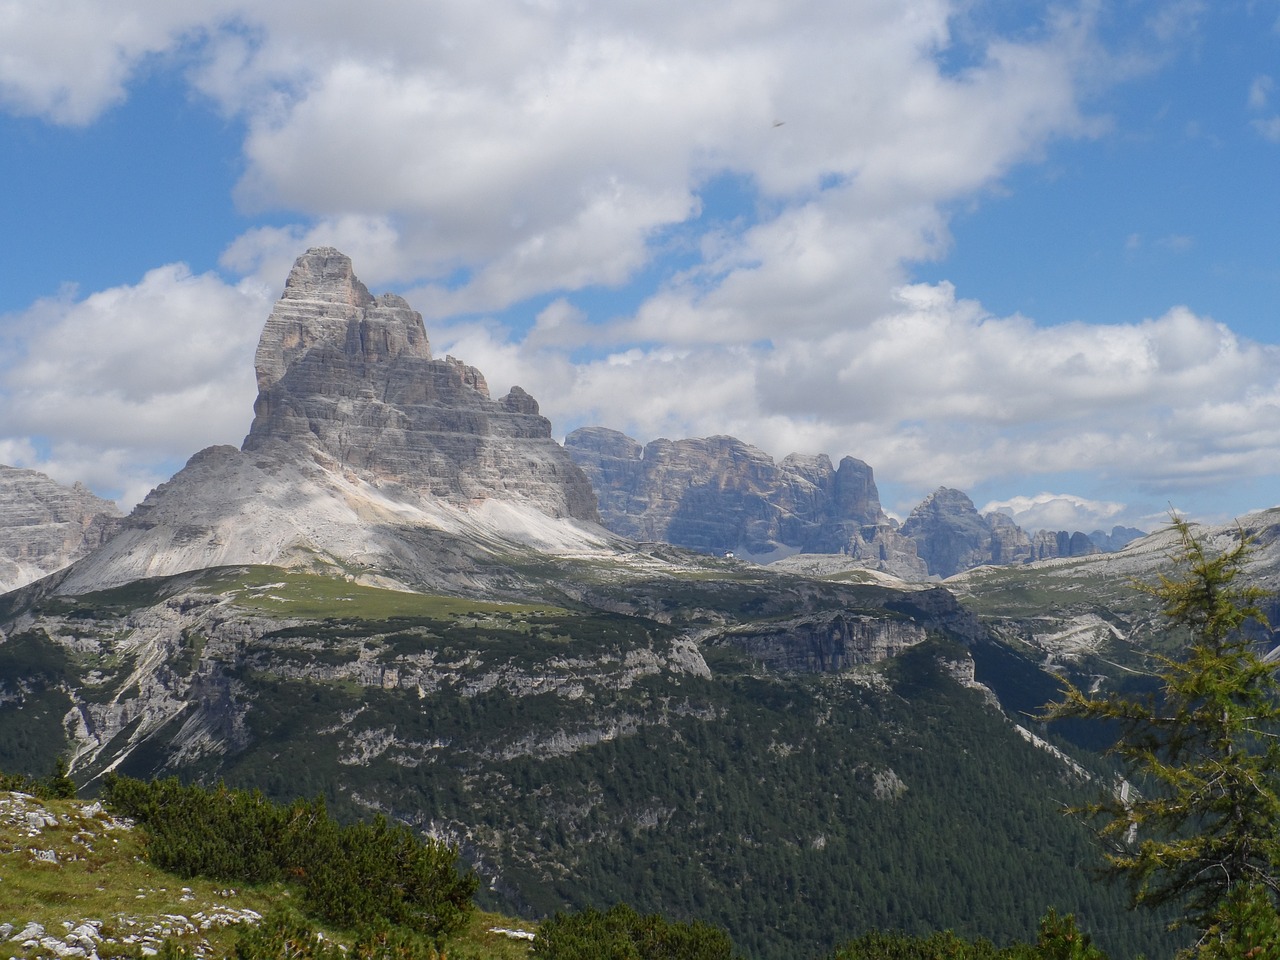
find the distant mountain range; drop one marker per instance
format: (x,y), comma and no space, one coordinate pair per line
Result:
(720,495)
(356,422)
(716,495)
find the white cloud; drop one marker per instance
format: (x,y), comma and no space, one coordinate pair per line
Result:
(506,150)
(140,373)
(536,148)
(1058,511)
(1260,92)
(940,392)
(69,60)
(1268,128)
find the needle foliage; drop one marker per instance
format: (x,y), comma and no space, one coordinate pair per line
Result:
(1202,829)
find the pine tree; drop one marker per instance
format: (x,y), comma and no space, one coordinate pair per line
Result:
(1204,831)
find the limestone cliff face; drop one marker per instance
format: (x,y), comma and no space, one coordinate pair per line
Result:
(952,536)
(1051,544)
(718,494)
(365,453)
(833,643)
(45,525)
(349,378)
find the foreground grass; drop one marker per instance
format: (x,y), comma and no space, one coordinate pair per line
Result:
(68,866)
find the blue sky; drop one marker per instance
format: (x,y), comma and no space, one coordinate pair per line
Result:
(1025,250)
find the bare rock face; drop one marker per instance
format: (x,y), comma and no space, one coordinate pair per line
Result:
(349,378)
(831,643)
(1052,544)
(719,495)
(952,536)
(45,525)
(365,453)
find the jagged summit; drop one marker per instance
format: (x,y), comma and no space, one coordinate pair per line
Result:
(364,451)
(324,305)
(349,378)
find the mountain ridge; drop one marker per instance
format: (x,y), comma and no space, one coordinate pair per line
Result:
(365,455)
(720,495)
(47,525)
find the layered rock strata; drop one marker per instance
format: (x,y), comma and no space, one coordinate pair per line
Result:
(365,453)
(45,525)
(952,536)
(349,378)
(719,495)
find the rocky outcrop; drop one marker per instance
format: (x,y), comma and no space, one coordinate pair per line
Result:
(720,495)
(1052,544)
(950,535)
(348,379)
(1117,539)
(833,643)
(365,455)
(45,525)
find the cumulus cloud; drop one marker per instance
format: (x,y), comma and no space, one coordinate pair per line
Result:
(940,392)
(69,60)
(518,149)
(1058,511)
(142,373)
(477,157)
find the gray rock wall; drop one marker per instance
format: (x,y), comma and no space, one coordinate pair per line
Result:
(720,495)
(348,377)
(45,525)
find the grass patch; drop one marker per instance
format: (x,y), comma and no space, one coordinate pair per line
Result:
(277,592)
(102,875)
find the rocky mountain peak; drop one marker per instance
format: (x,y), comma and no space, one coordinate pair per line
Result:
(719,494)
(951,535)
(324,305)
(325,274)
(363,450)
(347,379)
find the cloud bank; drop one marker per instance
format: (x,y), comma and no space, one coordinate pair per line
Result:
(511,166)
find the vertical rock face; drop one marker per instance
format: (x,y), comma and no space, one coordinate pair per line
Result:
(348,379)
(1051,544)
(325,306)
(1117,539)
(44,525)
(949,532)
(951,535)
(718,494)
(365,454)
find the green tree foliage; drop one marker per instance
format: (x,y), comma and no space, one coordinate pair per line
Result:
(352,876)
(1204,830)
(1059,939)
(57,786)
(621,933)
(284,934)
(747,802)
